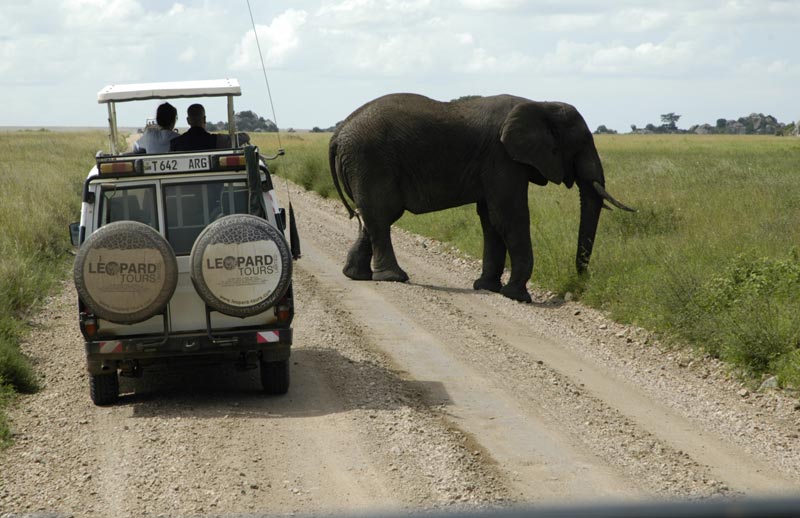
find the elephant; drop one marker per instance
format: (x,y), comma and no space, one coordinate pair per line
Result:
(407,152)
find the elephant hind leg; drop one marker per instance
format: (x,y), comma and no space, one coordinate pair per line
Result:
(384,263)
(359,258)
(385,267)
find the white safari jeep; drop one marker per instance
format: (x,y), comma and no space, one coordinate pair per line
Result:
(182,255)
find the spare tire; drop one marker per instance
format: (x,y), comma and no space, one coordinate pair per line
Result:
(241,265)
(126,272)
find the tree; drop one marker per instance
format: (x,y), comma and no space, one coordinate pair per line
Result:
(602,129)
(669,121)
(246,121)
(250,121)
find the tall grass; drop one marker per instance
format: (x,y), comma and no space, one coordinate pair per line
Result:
(305,162)
(41,177)
(711,257)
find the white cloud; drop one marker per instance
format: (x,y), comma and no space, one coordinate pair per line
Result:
(176,9)
(569,22)
(188,54)
(65,50)
(496,5)
(640,20)
(278,40)
(372,14)
(481,61)
(412,53)
(645,59)
(92,12)
(774,70)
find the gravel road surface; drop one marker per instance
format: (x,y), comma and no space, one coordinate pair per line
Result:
(419,395)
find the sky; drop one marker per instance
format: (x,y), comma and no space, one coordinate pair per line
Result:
(619,62)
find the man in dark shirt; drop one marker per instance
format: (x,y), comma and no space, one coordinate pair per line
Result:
(196,137)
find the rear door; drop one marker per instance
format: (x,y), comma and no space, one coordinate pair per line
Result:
(189,206)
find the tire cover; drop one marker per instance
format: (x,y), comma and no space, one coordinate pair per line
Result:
(241,265)
(126,272)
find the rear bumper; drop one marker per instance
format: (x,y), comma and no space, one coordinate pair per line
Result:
(267,344)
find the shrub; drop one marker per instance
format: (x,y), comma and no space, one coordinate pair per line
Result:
(747,314)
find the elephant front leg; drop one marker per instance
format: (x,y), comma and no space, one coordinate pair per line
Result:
(359,258)
(511,217)
(494,254)
(521,254)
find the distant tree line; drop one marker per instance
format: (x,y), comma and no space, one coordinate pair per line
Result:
(246,121)
(753,124)
(330,129)
(669,124)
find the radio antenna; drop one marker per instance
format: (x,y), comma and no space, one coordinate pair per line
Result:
(294,237)
(264,70)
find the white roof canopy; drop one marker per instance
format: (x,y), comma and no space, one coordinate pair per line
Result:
(170,90)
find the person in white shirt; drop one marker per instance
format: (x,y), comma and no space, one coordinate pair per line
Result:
(156,140)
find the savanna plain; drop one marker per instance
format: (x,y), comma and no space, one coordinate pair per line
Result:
(670,371)
(712,257)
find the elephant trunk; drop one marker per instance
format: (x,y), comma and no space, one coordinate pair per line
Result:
(591,205)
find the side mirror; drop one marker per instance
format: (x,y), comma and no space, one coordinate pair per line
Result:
(75,233)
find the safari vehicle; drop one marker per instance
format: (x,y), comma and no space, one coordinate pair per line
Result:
(182,256)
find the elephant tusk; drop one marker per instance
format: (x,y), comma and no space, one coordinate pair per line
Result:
(602,192)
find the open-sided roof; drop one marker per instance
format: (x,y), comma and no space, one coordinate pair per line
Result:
(170,90)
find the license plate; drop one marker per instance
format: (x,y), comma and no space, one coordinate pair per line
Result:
(177,164)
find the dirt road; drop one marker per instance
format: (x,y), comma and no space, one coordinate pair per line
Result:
(415,395)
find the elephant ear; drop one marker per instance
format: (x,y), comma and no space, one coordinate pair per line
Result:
(529,138)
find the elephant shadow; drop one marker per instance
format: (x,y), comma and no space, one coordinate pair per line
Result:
(549,303)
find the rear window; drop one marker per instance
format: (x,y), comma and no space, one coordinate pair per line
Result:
(129,203)
(191,207)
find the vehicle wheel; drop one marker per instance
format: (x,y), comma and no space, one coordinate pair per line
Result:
(241,265)
(275,377)
(104,388)
(126,272)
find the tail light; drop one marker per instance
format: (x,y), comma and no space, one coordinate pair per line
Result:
(283,310)
(228,162)
(90,326)
(120,167)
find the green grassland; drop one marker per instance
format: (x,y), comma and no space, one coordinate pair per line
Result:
(711,258)
(41,176)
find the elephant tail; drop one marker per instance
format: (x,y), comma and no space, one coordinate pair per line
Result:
(336,167)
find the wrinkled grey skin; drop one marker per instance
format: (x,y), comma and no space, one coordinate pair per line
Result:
(408,152)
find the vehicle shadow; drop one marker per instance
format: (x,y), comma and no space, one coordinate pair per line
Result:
(323,382)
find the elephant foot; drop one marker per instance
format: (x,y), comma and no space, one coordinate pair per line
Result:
(492,285)
(516,292)
(357,274)
(357,266)
(392,275)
